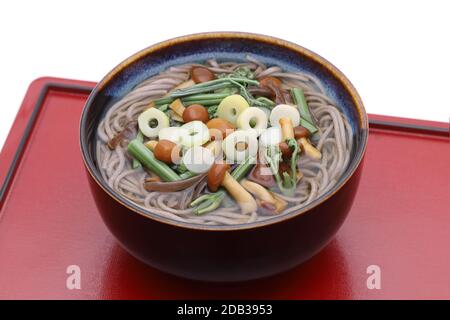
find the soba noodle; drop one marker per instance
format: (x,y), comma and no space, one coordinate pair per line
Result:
(334,140)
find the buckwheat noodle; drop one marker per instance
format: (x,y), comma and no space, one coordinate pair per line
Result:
(335,140)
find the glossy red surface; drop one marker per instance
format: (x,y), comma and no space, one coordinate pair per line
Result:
(400,221)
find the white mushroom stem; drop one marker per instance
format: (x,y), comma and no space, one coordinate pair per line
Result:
(242,196)
(151,144)
(287,130)
(265,195)
(280,204)
(309,149)
(258,191)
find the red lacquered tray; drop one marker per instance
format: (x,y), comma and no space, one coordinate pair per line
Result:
(48,220)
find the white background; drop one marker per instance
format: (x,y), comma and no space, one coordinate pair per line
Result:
(396,53)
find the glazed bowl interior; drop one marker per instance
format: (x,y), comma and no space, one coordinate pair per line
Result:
(221,46)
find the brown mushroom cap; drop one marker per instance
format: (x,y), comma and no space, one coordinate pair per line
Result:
(196,112)
(164,151)
(269,80)
(216,175)
(286,151)
(219,128)
(201,74)
(301,132)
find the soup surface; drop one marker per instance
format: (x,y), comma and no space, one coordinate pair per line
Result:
(224,143)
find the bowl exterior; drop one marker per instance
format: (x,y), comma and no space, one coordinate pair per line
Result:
(223,255)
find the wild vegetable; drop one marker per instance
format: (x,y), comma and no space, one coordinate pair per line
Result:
(136,164)
(146,157)
(273,156)
(205,87)
(306,119)
(212,201)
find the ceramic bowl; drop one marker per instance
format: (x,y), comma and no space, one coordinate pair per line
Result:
(223,253)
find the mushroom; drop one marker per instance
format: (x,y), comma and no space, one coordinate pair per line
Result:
(195,112)
(284,111)
(219,129)
(167,151)
(190,113)
(274,85)
(218,175)
(262,175)
(258,191)
(151,144)
(201,74)
(266,199)
(287,132)
(301,132)
(286,167)
(215,147)
(309,149)
(261,91)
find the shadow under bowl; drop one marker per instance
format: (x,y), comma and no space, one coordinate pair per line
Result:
(224,253)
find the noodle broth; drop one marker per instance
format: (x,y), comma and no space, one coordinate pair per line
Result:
(322,156)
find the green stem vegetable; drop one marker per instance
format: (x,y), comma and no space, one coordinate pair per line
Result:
(212,201)
(204,87)
(264,103)
(141,153)
(186,175)
(205,99)
(306,119)
(286,183)
(205,96)
(136,164)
